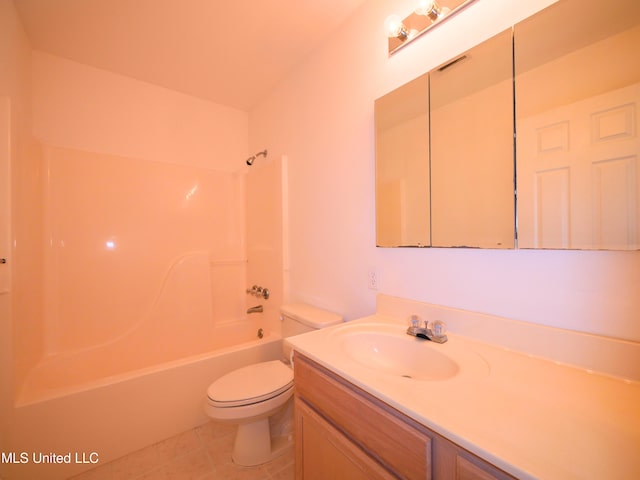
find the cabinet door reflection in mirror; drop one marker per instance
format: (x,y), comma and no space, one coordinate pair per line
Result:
(577,96)
(402,166)
(472,167)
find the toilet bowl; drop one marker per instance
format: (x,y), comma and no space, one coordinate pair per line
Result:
(250,396)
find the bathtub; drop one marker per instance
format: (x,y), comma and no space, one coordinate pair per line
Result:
(84,404)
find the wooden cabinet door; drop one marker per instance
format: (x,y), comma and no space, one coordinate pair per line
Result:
(397,442)
(468,470)
(452,462)
(323,453)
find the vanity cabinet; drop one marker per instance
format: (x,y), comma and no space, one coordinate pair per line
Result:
(342,432)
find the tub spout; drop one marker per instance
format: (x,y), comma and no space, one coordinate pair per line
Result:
(256,309)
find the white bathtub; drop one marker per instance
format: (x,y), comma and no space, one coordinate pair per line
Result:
(86,404)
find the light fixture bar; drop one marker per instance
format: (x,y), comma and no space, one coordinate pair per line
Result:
(427,14)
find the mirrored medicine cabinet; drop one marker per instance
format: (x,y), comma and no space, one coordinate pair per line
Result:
(565,83)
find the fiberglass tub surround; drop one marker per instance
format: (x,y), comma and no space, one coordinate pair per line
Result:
(145,273)
(144,262)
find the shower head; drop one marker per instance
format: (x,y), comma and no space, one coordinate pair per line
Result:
(250,160)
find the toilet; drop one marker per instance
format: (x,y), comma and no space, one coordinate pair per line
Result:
(250,396)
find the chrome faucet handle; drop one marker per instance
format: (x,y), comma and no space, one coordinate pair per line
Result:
(414,325)
(439,328)
(438,332)
(258,291)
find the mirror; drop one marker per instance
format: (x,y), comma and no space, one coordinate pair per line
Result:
(472,178)
(402,166)
(578,91)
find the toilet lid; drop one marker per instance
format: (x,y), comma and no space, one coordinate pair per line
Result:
(252,384)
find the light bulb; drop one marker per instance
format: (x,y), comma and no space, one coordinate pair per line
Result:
(395,28)
(424,7)
(428,8)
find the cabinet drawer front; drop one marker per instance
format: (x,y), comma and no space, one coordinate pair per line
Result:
(399,444)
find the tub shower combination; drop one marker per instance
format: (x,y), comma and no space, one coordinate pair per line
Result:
(179,328)
(144,305)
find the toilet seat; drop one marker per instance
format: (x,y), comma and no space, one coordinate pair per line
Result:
(249,385)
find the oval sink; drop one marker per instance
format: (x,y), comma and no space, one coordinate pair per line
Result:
(389,350)
(408,358)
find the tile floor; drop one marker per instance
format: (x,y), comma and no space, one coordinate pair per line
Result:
(203,453)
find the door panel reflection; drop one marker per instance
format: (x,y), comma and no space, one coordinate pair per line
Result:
(577,144)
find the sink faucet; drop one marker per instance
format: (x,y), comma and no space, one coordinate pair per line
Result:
(435,334)
(256,309)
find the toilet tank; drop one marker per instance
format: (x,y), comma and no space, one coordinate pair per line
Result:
(300,318)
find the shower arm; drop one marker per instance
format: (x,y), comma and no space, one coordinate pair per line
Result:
(251,159)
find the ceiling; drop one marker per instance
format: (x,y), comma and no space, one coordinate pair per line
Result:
(230,52)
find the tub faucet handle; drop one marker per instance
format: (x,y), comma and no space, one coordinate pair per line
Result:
(258,291)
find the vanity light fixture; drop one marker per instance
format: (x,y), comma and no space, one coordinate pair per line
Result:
(426,14)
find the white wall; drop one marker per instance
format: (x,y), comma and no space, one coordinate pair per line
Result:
(321,116)
(85,108)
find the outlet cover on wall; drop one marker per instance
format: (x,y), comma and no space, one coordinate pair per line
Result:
(372,280)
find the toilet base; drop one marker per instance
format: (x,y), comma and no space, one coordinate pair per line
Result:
(254,446)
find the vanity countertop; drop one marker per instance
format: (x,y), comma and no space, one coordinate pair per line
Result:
(532,417)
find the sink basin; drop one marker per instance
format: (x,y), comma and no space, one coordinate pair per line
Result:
(409,358)
(388,350)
